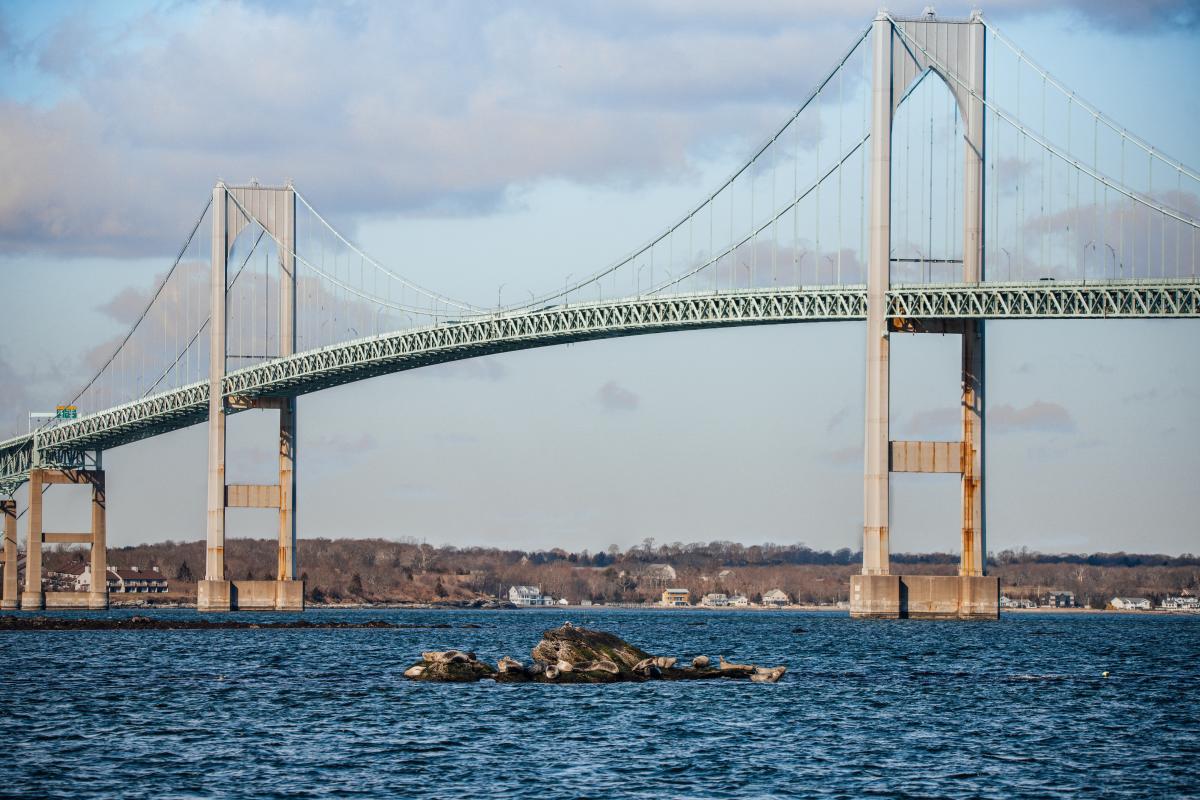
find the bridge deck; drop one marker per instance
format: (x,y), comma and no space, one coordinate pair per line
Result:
(477,336)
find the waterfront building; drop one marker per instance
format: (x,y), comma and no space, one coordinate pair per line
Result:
(1184,603)
(1016,602)
(739,601)
(60,581)
(676,597)
(1057,598)
(776,597)
(528,596)
(124,580)
(714,600)
(1131,603)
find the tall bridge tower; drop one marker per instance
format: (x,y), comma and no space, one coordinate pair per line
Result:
(904,49)
(233,210)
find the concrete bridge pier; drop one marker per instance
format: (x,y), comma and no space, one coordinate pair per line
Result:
(34,597)
(275,210)
(9,598)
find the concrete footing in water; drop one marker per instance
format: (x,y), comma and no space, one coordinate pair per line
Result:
(925,596)
(250,596)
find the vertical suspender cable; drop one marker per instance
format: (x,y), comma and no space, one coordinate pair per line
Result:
(841,124)
(817,178)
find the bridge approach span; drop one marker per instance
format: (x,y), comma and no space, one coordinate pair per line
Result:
(472,337)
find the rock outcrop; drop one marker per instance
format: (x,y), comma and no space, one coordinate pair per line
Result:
(579,655)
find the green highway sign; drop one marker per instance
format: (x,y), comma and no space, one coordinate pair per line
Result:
(66,412)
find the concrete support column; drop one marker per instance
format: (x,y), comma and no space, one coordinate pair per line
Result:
(287,410)
(215,559)
(876,472)
(973,540)
(9,593)
(34,598)
(213,591)
(287,490)
(98,594)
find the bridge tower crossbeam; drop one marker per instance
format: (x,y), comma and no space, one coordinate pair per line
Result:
(234,209)
(877,592)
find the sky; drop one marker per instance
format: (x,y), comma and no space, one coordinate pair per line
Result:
(477,145)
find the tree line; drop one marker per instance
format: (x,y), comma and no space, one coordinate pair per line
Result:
(407,570)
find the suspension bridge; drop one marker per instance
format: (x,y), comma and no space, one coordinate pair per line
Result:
(934,179)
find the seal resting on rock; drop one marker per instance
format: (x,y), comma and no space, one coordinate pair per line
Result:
(451,666)
(577,655)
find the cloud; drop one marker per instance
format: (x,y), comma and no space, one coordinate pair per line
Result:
(39,387)
(482,369)
(838,418)
(126,306)
(1039,416)
(934,422)
(343,445)
(847,455)
(430,108)
(614,397)
(455,439)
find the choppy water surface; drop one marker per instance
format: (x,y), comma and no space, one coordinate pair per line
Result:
(1017,707)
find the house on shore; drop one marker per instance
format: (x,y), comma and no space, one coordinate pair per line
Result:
(125,580)
(676,597)
(714,600)
(528,596)
(1058,598)
(739,601)
(1183,603)
(776,597)
(1131,603)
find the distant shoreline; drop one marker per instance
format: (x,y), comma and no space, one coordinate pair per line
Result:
(462,606)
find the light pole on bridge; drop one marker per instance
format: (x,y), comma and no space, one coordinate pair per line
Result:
(1117,265)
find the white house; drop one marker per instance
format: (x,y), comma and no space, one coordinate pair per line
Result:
(776,597)
(714,600)
(1131,603)
(659,574)
(739,601)
(527,596)
(1184,603)
(125,581)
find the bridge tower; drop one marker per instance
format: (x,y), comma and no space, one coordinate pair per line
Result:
(904,49)
(233,210)
(34,597)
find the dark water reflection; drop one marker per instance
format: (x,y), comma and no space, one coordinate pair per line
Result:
(1014,708)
